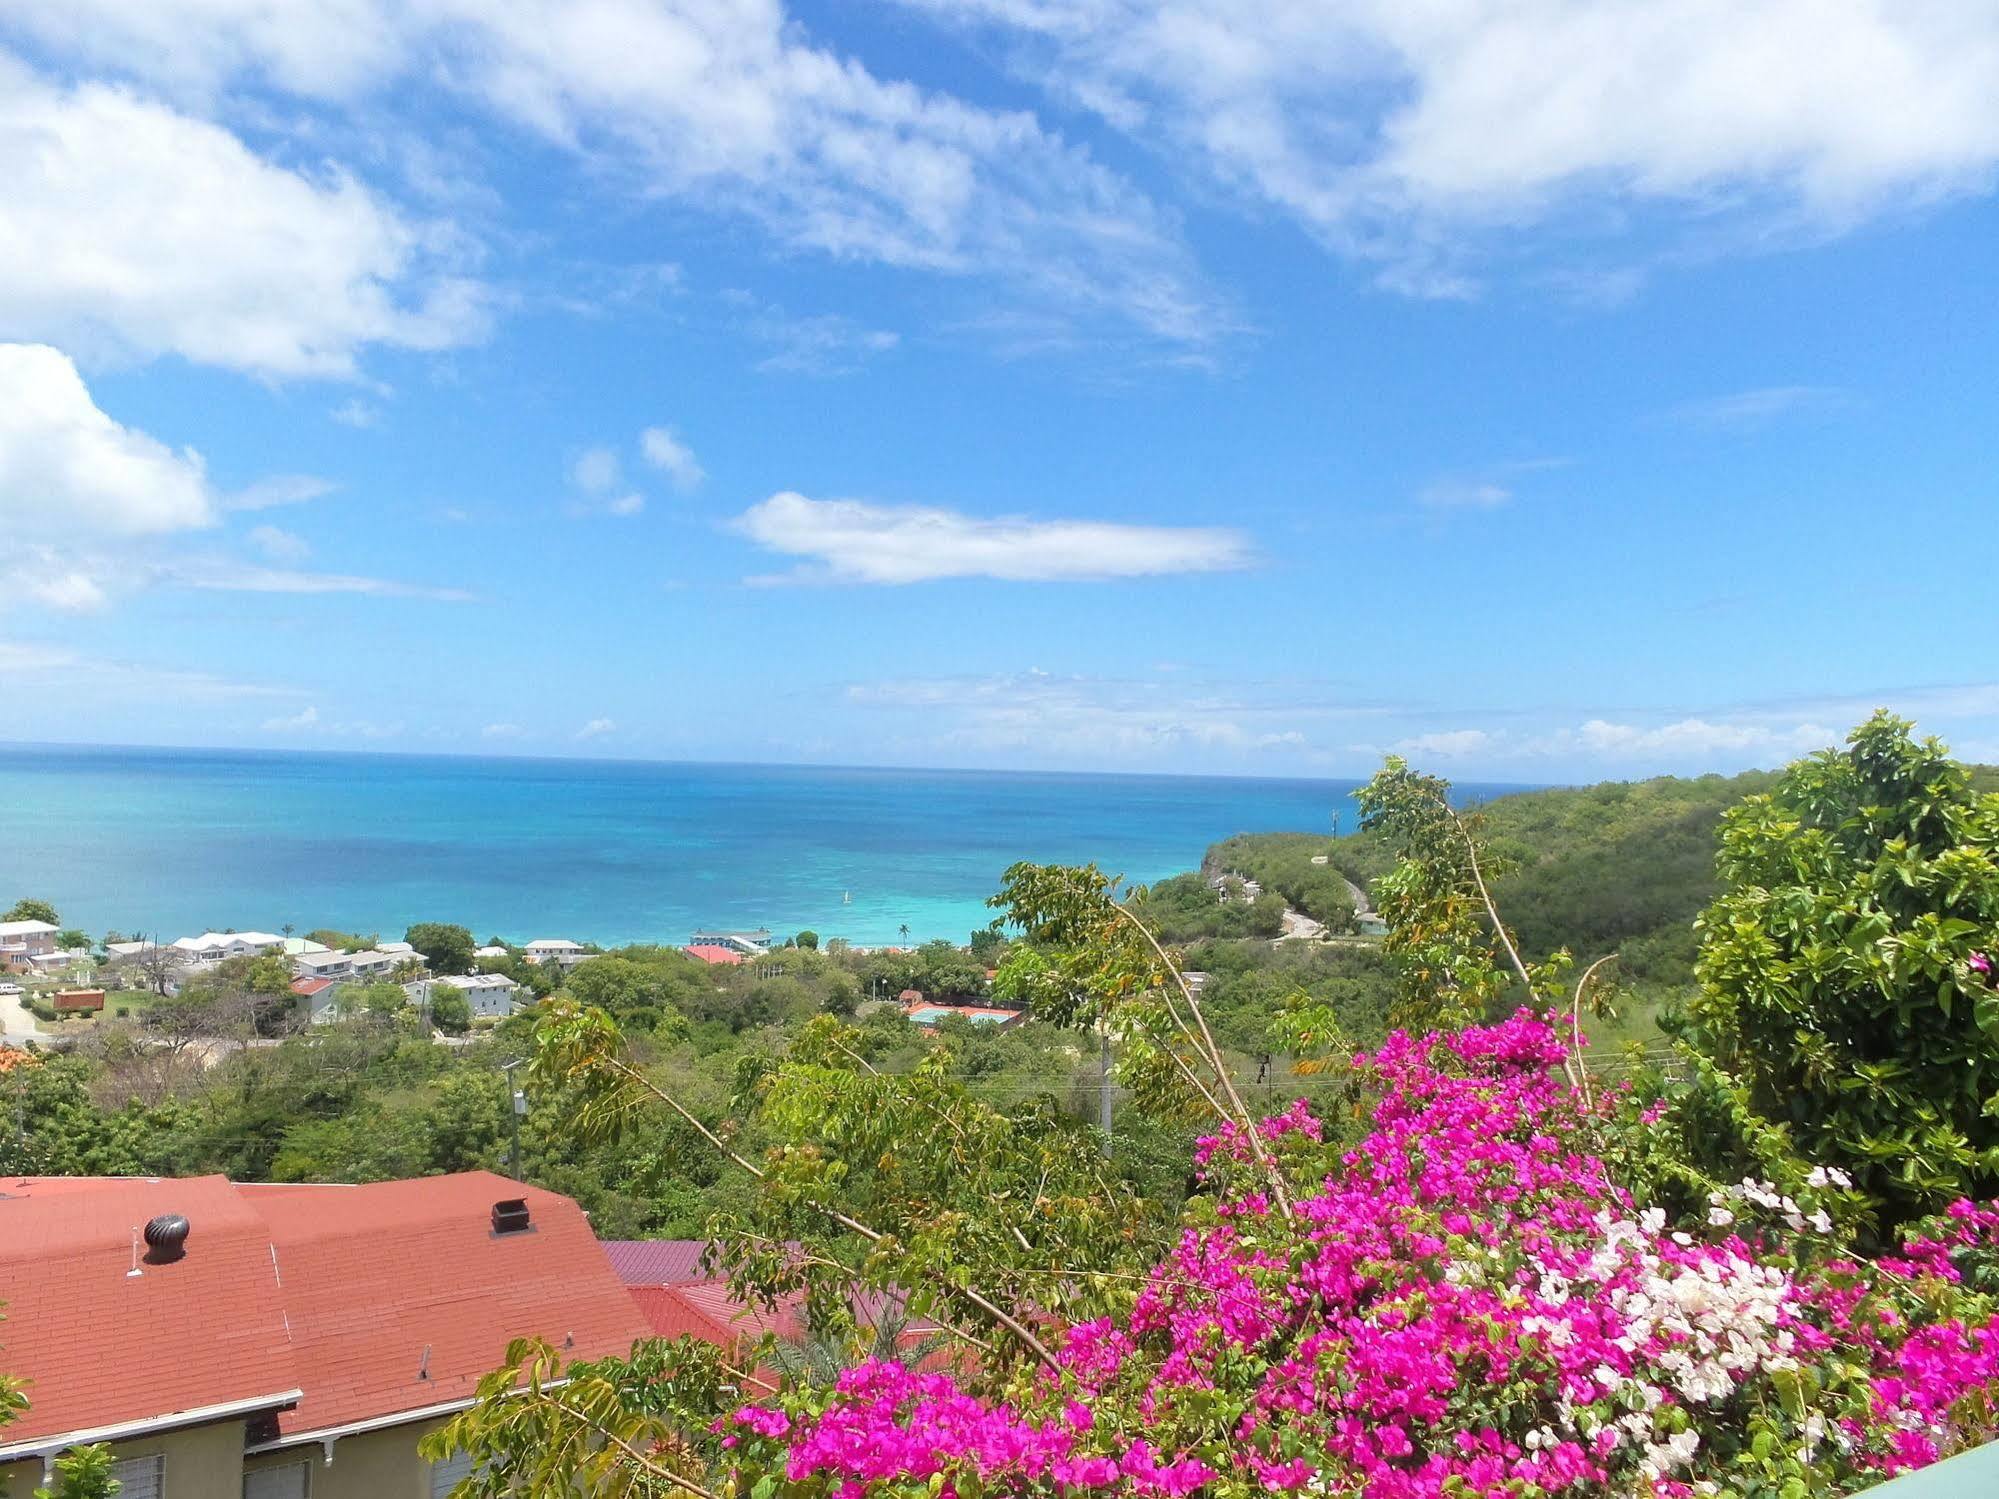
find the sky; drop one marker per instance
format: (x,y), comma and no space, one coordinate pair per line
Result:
(1562,390)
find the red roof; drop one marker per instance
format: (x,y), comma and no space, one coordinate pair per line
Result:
(374,1300)
(100,1346)
(310,987)
(656,1262)
(376,1275)
(709,952)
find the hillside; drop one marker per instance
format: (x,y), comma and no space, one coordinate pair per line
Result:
(1622,866)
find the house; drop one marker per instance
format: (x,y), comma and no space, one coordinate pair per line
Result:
(277,1341)
(211,948)
(923,1012)
(328,964)
(321,996)
(749,944)
(713,954)
(558,950)
(23,940)
(486,993)
(490,950)
(375,963)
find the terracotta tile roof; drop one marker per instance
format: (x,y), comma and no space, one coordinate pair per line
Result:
(709,952)
(374,1275)
(656,1262)
(100,1346)
(333,1290)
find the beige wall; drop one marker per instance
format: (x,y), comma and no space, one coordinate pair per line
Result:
(203,1462)
(207,1462)
(372,1465)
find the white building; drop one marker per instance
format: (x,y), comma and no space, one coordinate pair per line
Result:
(750,944)
(487,993)
(22,940)
(326,964)
(381,962)
(558,950)
(213,947)
(489,952)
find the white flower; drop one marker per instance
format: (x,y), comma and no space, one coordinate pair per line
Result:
(1652,1220)
(1719,1216)
(1821,1221)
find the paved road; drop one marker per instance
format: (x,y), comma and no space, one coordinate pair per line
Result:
(16,1024)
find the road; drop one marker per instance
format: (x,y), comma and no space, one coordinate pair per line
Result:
(16,1024)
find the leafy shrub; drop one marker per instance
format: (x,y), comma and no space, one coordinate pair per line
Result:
(1840,970)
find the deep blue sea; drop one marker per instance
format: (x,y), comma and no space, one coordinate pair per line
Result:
(181,841)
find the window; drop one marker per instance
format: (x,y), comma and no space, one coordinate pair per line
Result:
(446,1475)
(288,1481)
(140,1477)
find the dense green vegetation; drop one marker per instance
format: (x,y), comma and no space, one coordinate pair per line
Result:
(1282,864)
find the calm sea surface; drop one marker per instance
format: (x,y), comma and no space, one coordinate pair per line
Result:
(181,841)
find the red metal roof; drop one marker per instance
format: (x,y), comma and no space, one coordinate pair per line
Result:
(709,952)
(309,987)
(374,1275)
(334,1290)
(656,1262)
(100,1346)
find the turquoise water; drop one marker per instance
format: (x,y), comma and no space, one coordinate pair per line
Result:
(182,841)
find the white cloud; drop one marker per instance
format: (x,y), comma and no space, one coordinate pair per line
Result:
(597,728)
(1746,410)
(827,344)
(227,575)
(627,504)
(1408,132)
(672,457)
(75,673)
(722,103)
(501,731)
(66,468)
(66,590)
(132,231)
(1452,744)
(851,541)
(293,723)
(278,544)
(595,471)
(1463,494)
(279,489)
(1045,715)
(357,414)
(307,721)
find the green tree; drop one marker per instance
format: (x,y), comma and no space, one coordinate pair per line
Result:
(70,939)
(32,910)
(447,948)
(1845,970)
(450,1011)
(807,939)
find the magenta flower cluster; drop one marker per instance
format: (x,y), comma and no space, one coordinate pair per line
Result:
(1467,1302)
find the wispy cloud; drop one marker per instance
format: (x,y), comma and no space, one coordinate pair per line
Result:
(1463,494)
(853,541)
(220,575)
(664,450)
(356,413)
(278,544)
(502,731)
(308,723)
(280,489)
(1750,410)
(597,728)
(75,672)
(826,344)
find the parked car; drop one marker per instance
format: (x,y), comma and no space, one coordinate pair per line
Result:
(10,988)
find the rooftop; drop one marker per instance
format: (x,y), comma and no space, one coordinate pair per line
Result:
(356,1302)
(709,952)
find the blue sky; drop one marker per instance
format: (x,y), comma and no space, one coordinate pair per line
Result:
(1557,392)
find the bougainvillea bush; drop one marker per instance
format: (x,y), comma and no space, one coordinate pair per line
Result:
(1471,1300)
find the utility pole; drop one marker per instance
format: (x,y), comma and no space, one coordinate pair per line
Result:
(517,1105)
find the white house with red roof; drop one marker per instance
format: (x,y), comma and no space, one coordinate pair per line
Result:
(280,1341)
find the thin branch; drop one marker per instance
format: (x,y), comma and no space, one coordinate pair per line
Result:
(1576,1028)
(1243,1118)
(658,1470)
(1005,1319)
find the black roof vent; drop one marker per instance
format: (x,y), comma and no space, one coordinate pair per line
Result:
(166,1239)
(510,1216)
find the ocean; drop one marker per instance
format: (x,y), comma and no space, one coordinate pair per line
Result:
(174,842)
